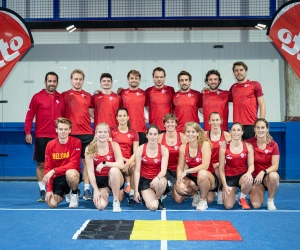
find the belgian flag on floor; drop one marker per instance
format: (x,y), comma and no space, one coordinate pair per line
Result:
(157,230)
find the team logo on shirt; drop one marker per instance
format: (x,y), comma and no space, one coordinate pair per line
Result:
(128,135)
(126,92)
(229,157)
(108,157)
(111,98)
(144,159)
(156,160)
(100,96)
(189,95)
(246,85)
(220,143)
(266,151)
(242,155)
(83,95)
(77,149)
(176,147)
(163,91)
(198,159)
(137,93)
(219,92)
(57,101)
(60,156)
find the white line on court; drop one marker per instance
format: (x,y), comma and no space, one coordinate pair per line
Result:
(164,243)
(148,211)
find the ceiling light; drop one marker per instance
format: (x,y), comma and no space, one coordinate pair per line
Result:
(72,30)
(260,26)
(70,27)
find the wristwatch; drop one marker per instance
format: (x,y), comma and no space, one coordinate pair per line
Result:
(104,163)
(265,171)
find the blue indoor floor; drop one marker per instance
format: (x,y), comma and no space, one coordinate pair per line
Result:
(27,224)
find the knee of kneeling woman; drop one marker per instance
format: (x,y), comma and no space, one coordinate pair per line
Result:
(274,177)
(114,172)
(52,205)
(228,205)
(202,175)
(256,204)
(100,207)
(153,205)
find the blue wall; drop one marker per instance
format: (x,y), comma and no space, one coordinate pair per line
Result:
(19,163)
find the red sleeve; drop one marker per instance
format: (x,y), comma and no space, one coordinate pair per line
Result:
(275,149)
(92,101)
(74,160)
(173,93)
(258,89)
(147,102)
(30,115)
(230,94)
(136,136)
(200,104)
(120,101)
(48,167)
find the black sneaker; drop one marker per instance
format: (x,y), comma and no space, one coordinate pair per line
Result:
(160,205)
(42,196)
(131,201)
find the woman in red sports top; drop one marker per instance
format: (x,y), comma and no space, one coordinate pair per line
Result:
(128,139)
(216,136)
(266,161)
(104,164)
(193,162)
(237,170)
(172,140)
(150,170)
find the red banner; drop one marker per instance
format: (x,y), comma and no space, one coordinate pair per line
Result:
(285,33)
(15,40)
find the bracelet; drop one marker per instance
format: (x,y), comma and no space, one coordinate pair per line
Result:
(158,177)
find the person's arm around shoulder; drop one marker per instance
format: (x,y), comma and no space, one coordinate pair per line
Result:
(206,154)
(181,173)
(164,161)
(119,163)
(138,159)
(222,150)
(250,160)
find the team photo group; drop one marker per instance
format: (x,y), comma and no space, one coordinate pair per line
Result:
(147,144)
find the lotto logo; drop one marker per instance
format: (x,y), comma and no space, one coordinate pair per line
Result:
(15,40)
(285,33)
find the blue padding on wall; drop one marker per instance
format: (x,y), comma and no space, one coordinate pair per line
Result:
(19,161)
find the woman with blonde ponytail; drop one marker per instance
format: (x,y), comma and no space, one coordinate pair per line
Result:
(192,170)
(104,164)
(266,161)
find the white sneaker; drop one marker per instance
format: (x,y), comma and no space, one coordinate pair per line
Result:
(270,204)
(116,206)
(202,205)
(195,200)
(220,197)
(74,201)
(68,196)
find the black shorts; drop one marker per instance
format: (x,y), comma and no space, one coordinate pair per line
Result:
(233,181)
(194,179)
(40,148)
(142,138)
(144,184)
(266,189)
(61,187)
(171,176)
(85,140)
(248,132)
(102,182)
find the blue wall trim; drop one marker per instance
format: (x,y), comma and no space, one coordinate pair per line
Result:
(19,160)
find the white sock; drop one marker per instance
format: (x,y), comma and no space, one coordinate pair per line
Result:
(86,186)
(41,185)
(127,183)
(242,195)
(131,192)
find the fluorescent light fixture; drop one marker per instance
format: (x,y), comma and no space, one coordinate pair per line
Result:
(260,26)
(72,29)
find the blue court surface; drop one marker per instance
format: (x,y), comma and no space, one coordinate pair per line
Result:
(27,224)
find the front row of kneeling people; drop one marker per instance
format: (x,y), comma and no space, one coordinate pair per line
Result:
(199,164)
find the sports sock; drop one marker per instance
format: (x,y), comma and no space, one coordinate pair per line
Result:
(242,195)
(131,192)
(74,191)
(86,186)
(41,185)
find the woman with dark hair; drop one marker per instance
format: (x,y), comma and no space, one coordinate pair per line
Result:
(150,170)
(128,139)
(172,140)
(233,160)
(104,164)
(266,161)
(192,170)
(216,135)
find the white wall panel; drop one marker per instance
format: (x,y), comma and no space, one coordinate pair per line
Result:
(172,49)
